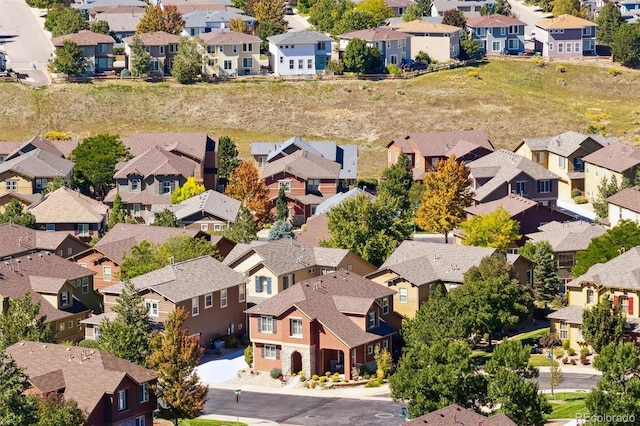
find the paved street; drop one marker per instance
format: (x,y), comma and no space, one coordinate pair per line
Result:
(571,381)
(296,22)
(527,14)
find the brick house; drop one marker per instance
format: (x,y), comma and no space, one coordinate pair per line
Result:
(328,323)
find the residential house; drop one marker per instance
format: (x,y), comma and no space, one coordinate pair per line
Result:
(563,155)
(149,179)
(565,36)
(106,256)
(203,22)
(416,268)
(617,160)
(232,54)
(329,323)
(28,174)
(624,205)
(7,148)
(567,239)
(629,9)
(618,279)
(198,147)
(109,390)
(528,213)
(160,45)
(498,34)
(208,211)
(212,294)
(274,266)
(25,200)
(63,289)
(67,210)
(98,6)
(341,197)
(441,42)
(96,49)
(394,46)
(398,6)
(316,230)
(425,150)
(299,53)
(122,20)
(471,9)
(502,172)
(16,240)
(455,414)
(37,142)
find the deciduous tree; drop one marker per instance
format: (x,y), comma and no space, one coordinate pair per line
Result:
(325,14)
(360,58)
(568,7)
(495,229)
(502,7)
(246,186)
(15,407)
(417,10)
(228,159)
(469,47)
(268,29)
(23,321)
(605,190)
(518,398)
(546,283)
(269,11)
(625,46)
(68,59)
(66,21)
(191,188)
(42,4)
(174,355)
(354,20)
(446,195)
(142,259)
(455,18)
(116,213)
(140,58)
(380,11)
(609,20)
(15,212)
(236,25)
(167,218)
(158,18)
(56,183)
(54,410)
(187,64)
(603,324)
(244,230)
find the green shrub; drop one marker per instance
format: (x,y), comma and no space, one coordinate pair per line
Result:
(363,369)
(561,68)
(323,379)
(422,57)
(575,193)
(394,69)
(302,376)
(558,352)
(335,379)
(327,373)
(275,373)
(374,383)
(118,50)
(580,199)
(334,67)
(566,344)
(571,352)
(473,73)
(584,351)
(314,377)
(248,355)
(88,343)
(125,73)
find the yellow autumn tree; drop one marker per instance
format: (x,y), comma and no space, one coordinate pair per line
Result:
(246,186)
(191,188)
(495,230)
(447,193)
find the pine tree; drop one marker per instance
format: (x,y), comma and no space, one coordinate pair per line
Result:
(23,321)
(282,208)
(15,408)
(546,283)
(397,181)
(227,158)
(174,356)
(117,213)
(140,58)
(281,229)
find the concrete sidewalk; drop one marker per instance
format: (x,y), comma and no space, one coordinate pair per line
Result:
(573,369)
(232,420)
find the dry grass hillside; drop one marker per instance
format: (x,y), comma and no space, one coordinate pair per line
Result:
(510,100)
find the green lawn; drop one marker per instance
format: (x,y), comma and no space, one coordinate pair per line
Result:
(531,337)
(206,422)
(566,405)
(539,360)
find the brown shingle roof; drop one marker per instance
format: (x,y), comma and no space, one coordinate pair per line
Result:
(628,198)
(420,26)
(190,144)
(83,38)
(565,22)
(375,34)
(618,157)
(622,272)
(514,204)
(85,374)
(16,239)
(157,161)
(158,38)
(493,21)
(570,314)
(441,144)
(456,415)
(35,142)
(305,165)
(38,163)
(230,37)
(65,205)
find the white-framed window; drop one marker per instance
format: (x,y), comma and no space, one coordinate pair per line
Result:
(223,298)
(296,327)
(372,319)
(70,325)
(106,273)
(141,421)
(569,47)
(385,344)
(11,185)
(521,187)
(85,285)
(481,32)
(300,64)
(135,184)
(586,31)
(560,47)
(143,392)
(544,186)
(291,64)
(503,31)
(122,399)
(195,306)
(310,64)
(208,300)
(136,210)
(247,62)
(154,65)
(322,45)
(270,352)
(565,260)
(61,326)
(152,307)
(402,295)
(227,64)
(217,227)
(83,264)
(242,293)
(262,160)
(577,47)
(266,324)
(623,302)
(64,298)
(496,46)
(580,337)
(286,184)
(564,330)
(204,227)
(591,297)
(161,49)
(168,187)
(540,155)
(369,349)
(96,332)
(385,305)
(172,48)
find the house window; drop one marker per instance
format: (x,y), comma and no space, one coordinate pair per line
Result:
(227,64)
(84,265)
(310,64)
(70,325)
(106,273)
(208,300)
(544,186)
(270,352)
(168,187)
(223,298)
(313,185)
(266,324)
(262,160)
(247,47)
(577,47)
(263,284)
(385,305)
(152,307)
(580,334)
(591,299)
(62,326)
(513,29)
(312,270)
(402,295)
(624,303)
(286,184)
(154,65)
(136,210)
(122,399)
(141,421)
(560,47)
(291,64)
(135,184)
(247,62)
(521,187)
(564,331)
(300,64)
(50,227)
(578,164)
(242,293)
(172,48)
(204,227)
(372,320)
(96,332)
(64,298)
(496,46)
(539,157)
(234,48)
(41,183)
(529,277)
(195,307)
(388,45)
(147,49)
(503,31)
(513,44)
(85,285)
(296,327)
(288,281)
(11,185)
(385,344)
(369,349)
(161,50)
(565,260)
(322,45)
(83,229)
(550,47)
(481,32)
(394,59)
(586,31)
(569,47)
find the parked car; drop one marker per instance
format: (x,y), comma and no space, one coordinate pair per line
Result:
(413,66)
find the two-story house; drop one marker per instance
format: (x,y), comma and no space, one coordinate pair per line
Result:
(274,266)
(63,289)
(503,172)
(232,54)
(205,21)
(37,142)
(96,49)
(416,268)
(299,53)
(563,155)
(328,323)
(213,295)
(470,8)
(624,205)
(425,150)
(567,239)
(617,160)
(122,20)
(161,47)
(17,240)
(29,173)
(149,179)
(67,210)
(618,279)
(109,390)
(498,34)
(394,46)
(565,36)
(441,42)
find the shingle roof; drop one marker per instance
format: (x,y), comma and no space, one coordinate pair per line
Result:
(38,163)
(376,34)
(190,144)
(299,37)
(567,236)
(420,26)
(305,165)
(105,4)
(421,262)
(200,19)
(514,204)
(120,21)
(570,314)
(64,205)
(8,147)
(628,198)
(34,143)
(456,415)
(230,37)
(337,199)
(442,144)
(323,298)
(19,239)
(211,202)
(157,161)
(240,249)
(566,143)
(622,272)
(83,38)
(185,280)
(158,38)
(317,230)
(618,157)
(493,21)
(565,22)
(86,374)
(144,198)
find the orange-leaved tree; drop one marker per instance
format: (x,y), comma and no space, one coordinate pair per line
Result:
(246,186)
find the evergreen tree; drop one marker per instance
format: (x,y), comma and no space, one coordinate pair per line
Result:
(167,218)
(65,21)
(625,46)
(100,27)
(609,20)
(174,356)
(282,208)
(68,59)
(15,407)
(605,190)
(546,283)
(128,335)
(117,213)
(140,58)
(227,158)
(244,230)
(280,230)
(23,321)
(396,183)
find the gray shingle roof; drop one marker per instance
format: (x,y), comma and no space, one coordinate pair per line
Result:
(19,239)
(108,3)
(200,19)
(569,314)
(157,161)
(622,272)
(185,280)
(305,165)
(38,163)
(514,204)
(64,205)
(628,198)
(618,157)
(210,202)
(299,37)
(337,199)
(568,236)
(35,143)
(376,34)
(122,22)
(566,143)
(443,144)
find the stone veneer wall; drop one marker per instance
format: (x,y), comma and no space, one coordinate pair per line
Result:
(308,359)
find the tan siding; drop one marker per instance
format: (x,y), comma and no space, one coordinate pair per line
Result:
(25,186)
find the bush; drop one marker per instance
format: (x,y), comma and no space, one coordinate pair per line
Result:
(558,352)
(566,344)
(275,373)
(334,67)
(537,61)
(248,355)
(580,199)
(363,369)
(302,377)
(312,385)
(584,360)
(584,351)
(54,135)
(88,343)
(549,339)
(230,341)
(327,373)
(394,69)
(571,352)
(561,68)
(374,383)
(473,73)
(614,71)
(323,379)
(575,193)
(335,379)
(423,57)
(118,50)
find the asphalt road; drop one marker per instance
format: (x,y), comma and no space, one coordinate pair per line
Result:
(571,381)
(305,410)
(296,22)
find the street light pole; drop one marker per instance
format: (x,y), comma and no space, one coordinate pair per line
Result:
(237,393)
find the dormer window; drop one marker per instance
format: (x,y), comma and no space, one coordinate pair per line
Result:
(64,298)
(372,320)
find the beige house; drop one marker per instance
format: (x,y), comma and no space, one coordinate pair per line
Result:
(29,173)
(617,159)
(231,54)
(624,205)
(563,155)
(441,42)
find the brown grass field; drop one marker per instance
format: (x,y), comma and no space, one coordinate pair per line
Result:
(510,100)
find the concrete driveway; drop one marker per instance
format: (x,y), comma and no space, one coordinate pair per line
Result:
(221,369)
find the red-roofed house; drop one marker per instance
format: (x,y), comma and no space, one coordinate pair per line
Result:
(97,49)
